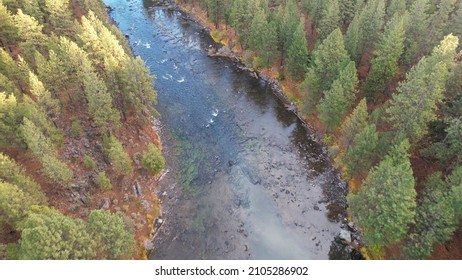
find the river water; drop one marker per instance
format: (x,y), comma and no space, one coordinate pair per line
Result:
(246,180)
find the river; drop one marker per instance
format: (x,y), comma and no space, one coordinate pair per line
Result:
(246,180)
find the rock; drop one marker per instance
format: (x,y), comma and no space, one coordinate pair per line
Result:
(117,209)
(115,201)
(149,245)
(84,213)
(351,225)
(316,207)
(105,203)
(133,215)
(137,190)
(74,208)
(345,235)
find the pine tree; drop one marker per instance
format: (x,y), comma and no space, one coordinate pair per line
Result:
(43,96)
(14,204)
(396,7)
(59,16)
(43,149)
(118,157)
(297,54)
(290,24)
(49,235)
(314,8)
(10,120)
(436,219)
(6,85)
(330,19)
(364,31)
(111,234)
(100,105)
(30,32)
(385,205)
(153,160)
(329,58)
(215,11)
(417,30)
(14,174)
(257,31)
(8,31)
(354,124)
(338,100)
(10,69)
(347,10)
(361,155)
(387,55)
(438,24)
(416,102)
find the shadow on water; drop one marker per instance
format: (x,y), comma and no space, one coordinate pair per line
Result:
(246,179)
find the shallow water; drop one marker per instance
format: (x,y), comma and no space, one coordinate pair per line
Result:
(246,180)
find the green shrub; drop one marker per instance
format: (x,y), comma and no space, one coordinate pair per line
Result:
(76,129)
(104,182)
(89,163)
(153,159)
(117,155)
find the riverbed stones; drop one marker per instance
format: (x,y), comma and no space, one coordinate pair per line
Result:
(345,235)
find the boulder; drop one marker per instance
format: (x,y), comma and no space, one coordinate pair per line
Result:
(345,235)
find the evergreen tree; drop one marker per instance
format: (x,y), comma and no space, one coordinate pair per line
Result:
(14,174)
(385,205)
(436,219)
(417,30)
(8,31)
(364,31)
(395,8)
(99,101)
(6,85)
(330,19)
(118,157)
(30,32)
(14,204)
(438,24)
(418,97)
(290,24)
(43,96)
(329,58)
(314,8)
(338,100)
(52,236)
(361,155)
(257,31)
(10,69)
(347,10)
(111,234)
(59,15)
(297,54)
(385,62)
(42,148)
(153,160)
(215,11)
(354,124)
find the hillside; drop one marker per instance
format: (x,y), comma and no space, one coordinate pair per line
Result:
(79,153)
